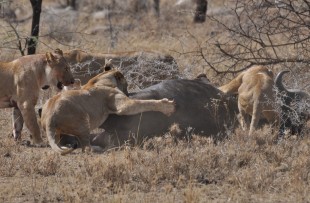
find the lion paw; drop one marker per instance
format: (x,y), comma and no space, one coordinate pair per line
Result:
(169,106)
(16,135)
(41,145)
(37,141)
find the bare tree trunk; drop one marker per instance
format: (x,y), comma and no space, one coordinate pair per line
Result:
(156,7)
(72,3)
(201,10)
(36,10)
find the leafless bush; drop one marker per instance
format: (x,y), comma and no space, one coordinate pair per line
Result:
(259,32)
(60,24)
(140,71)
(6,11)
(145,72)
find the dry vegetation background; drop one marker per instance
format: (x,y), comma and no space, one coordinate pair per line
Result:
(238,169)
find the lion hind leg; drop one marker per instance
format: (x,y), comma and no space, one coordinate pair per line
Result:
(82,133)
(257,110)
(243,117)
(273,118)
(84,140)
(243,120)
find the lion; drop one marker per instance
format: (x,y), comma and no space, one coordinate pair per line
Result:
(21,81)
(78,83)
(75,86)
(77,112)
(257,96)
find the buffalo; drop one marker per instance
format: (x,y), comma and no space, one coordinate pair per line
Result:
(293,107)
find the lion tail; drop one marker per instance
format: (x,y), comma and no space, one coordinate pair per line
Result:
(233,86)
(51,134)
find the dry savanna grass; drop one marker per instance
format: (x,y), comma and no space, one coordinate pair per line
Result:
(237,169)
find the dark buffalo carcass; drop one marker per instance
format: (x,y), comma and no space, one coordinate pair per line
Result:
(200,108)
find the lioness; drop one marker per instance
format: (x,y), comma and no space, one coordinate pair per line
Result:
(75,86)
(20,82)
(255,96)
(77,112)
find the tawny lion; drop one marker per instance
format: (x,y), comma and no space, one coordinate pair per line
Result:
(257,97)
(77,112)
(20,82)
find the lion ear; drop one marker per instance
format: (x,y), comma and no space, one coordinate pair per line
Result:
(58,51)
(107,61)
(78,82)
(108,65)
(50,57)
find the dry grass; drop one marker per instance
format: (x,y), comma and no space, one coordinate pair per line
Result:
(238,169)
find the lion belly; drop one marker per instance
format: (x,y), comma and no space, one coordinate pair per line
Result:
(95,123)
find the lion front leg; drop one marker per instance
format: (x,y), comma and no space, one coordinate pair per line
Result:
(29,115)
(18,123)
(127,106)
